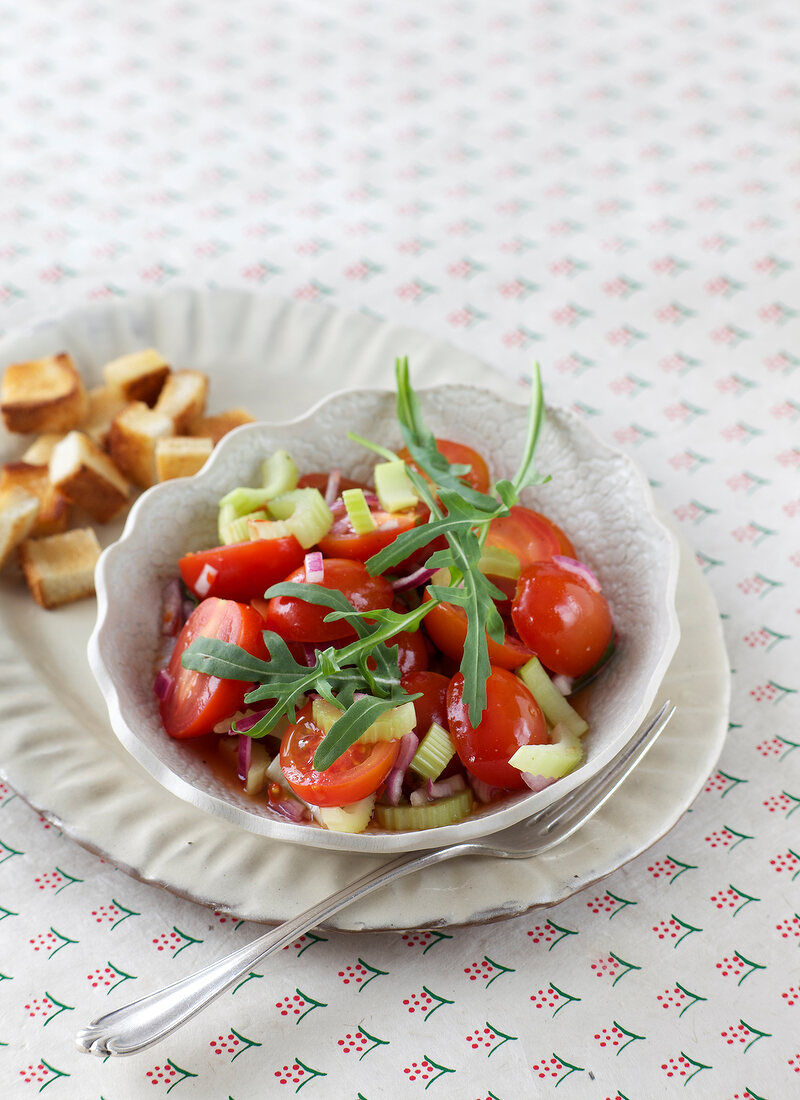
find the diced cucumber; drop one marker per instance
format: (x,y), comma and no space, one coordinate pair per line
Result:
(554,706)
(390,726)
(434,752)
(279,474)
(551,761)
(300,512)
(497,562)
(433,815)
(394,487)
(238,530)
(353,818)
(358,511)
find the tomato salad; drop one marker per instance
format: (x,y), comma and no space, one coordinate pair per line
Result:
(386,654)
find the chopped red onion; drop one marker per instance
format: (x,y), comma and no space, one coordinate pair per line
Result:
(188,608)
(246,723)
(289,807)
(393,788)
(581,569)
(419,797)
(484,792)
(163,683)
(309,654)
(409,743)
(245,754)
(315,572)
(413,580)
(332,488)
(537,782)
(208,575)
(172,616)
(337,507)
(443,788)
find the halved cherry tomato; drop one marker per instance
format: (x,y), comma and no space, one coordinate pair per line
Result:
(342,541)
(241,570)
(512,718)
(195,702)
(565,621)
(432,704)
(298,621)
(525,534)
(478,475)
(446,625)
(357,773)
(565,544)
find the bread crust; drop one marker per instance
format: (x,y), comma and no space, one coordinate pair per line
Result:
(43,395)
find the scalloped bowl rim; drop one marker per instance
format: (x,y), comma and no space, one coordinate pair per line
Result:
(484,820)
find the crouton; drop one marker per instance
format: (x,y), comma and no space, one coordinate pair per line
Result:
(86,476)
(60,569)
(104,404)
(43,395)
(18,511)
(53,515)
(139,376)
(132,441)
(183,399)
(38,454)
(181,455)
(219,425)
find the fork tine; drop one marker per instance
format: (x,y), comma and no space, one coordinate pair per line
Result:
(562,819)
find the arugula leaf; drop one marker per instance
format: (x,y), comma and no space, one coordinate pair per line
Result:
(357,718)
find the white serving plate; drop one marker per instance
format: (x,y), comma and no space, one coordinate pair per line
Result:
(57,747)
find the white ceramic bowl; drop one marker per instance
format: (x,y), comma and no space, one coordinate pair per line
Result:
(595,493)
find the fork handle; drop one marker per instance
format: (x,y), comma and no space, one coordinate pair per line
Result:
(142,1023)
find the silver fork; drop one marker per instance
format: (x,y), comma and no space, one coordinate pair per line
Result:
(142,1023)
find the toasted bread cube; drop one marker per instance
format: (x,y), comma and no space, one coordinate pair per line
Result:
(221,424)
(18,512)
(104,404)
(86,476)
(43,395)
(183,399)
(139,376)
(38,454)
(181,455)
(54,509)
(60,569)
(132,441)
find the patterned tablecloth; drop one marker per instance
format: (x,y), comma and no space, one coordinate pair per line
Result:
(612,189)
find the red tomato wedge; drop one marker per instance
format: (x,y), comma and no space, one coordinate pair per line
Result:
(242,570)
(565,621)
(298,621)
(357,773)
(446,626)
(525,534)
(195,702)
(342,541)
(478,475)
(432,704)
(512,718)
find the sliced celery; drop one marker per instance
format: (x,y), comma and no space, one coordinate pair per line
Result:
(279,474)
(257,772)
(303,513)
(434,752)
(444,811)
(352,818)
(497,562)
(551,761)
(554,706)
(391,726)
(358,512)
(394,487)
(238,530)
